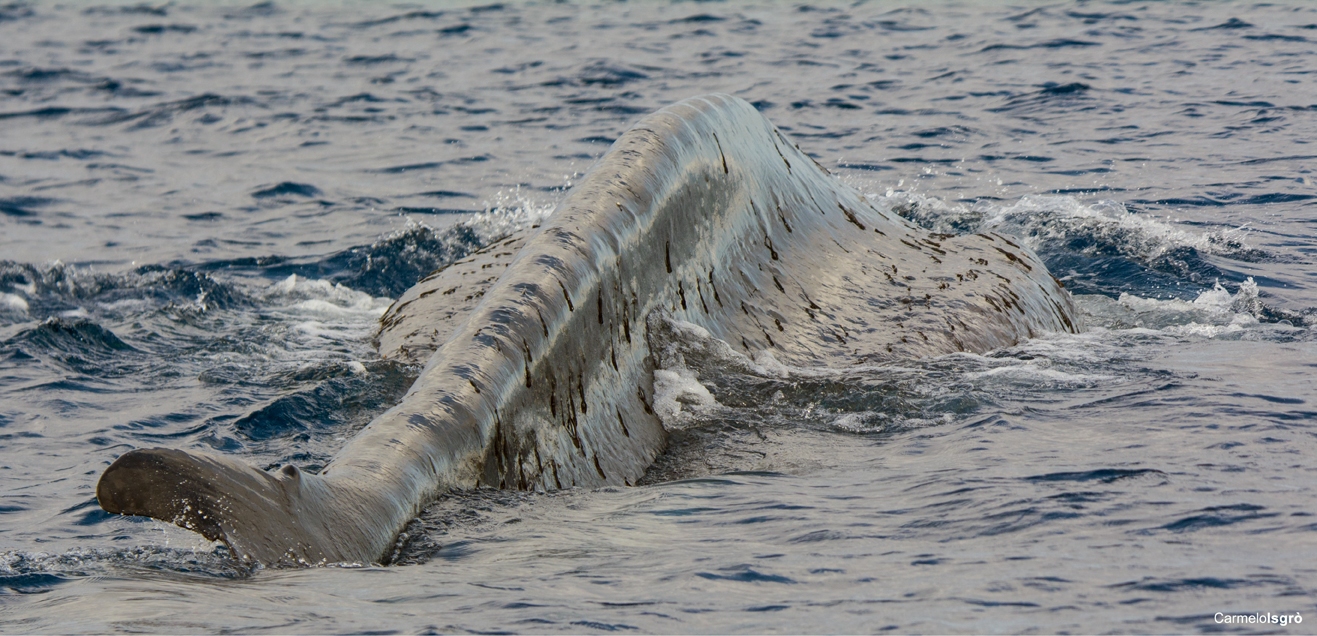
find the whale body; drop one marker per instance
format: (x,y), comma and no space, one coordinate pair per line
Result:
(539,374)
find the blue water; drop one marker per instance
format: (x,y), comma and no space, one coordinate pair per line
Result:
(204,209)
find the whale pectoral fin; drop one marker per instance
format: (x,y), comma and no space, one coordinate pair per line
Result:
(261,517)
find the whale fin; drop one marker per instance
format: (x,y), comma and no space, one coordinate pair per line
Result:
(261,517)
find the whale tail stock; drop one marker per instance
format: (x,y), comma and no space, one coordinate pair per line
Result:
(542,378)
(262,517)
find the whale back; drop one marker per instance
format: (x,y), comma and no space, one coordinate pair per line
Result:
(541,375)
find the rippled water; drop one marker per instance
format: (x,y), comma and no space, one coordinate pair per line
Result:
(205,208)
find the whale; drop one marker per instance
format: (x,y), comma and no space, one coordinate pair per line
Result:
(538,372)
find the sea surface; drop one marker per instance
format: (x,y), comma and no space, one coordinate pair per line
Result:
(206,206)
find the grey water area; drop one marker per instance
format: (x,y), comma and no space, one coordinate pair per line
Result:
(205,208)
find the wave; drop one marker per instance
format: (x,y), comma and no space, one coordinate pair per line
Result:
(382,269)
(1096,248)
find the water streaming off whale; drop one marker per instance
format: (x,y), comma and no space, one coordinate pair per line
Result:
(206,211)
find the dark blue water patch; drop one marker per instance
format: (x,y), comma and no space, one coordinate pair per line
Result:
(404,17)
(1072,88)
(1217,516)
(621,109)
(819,535)
(744,574)
(1198,201)
(390,266)
(166,421)
(682,512)
(163,113)
(1050,44)
(331,405)
(23,206)
(92,517)
(1276,37)
(56,289)
(36,74)
(165,286)
(411,167)
(606,75)
(1286,158)
(358,97)
(15,11)
(275,55)
(605,627)
(946,161)
(1027,158)
(1096,17)
(287,188)
(867,167)
(941,131)
(31,583)
(1150,584)
(1022,518)
(896,26)
(445,194)
(431,210)
(265,9)
(79,344)
(52,112)
(136,9)
(1102,475)
(1093,265)
(1276,197)
(1270,398)
(1231,24)
(429,165)
(1050,95)
(370,60)
(837,102)
(1077,499)
(170,436)
(52,155)
(456,29)
(698,18)
(985,603)
(160,29)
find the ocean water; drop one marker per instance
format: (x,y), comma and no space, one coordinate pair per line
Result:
(205,207)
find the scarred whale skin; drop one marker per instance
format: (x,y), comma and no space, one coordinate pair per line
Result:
(541,376)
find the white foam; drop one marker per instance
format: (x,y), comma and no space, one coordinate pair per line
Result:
(1213,313)
(1037,219)
(675,388)
(127,305)
(509,211)
(323,298)
(1033,374)
(367,306)
(13,302)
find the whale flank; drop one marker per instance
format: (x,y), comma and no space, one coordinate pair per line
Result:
(539,372)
